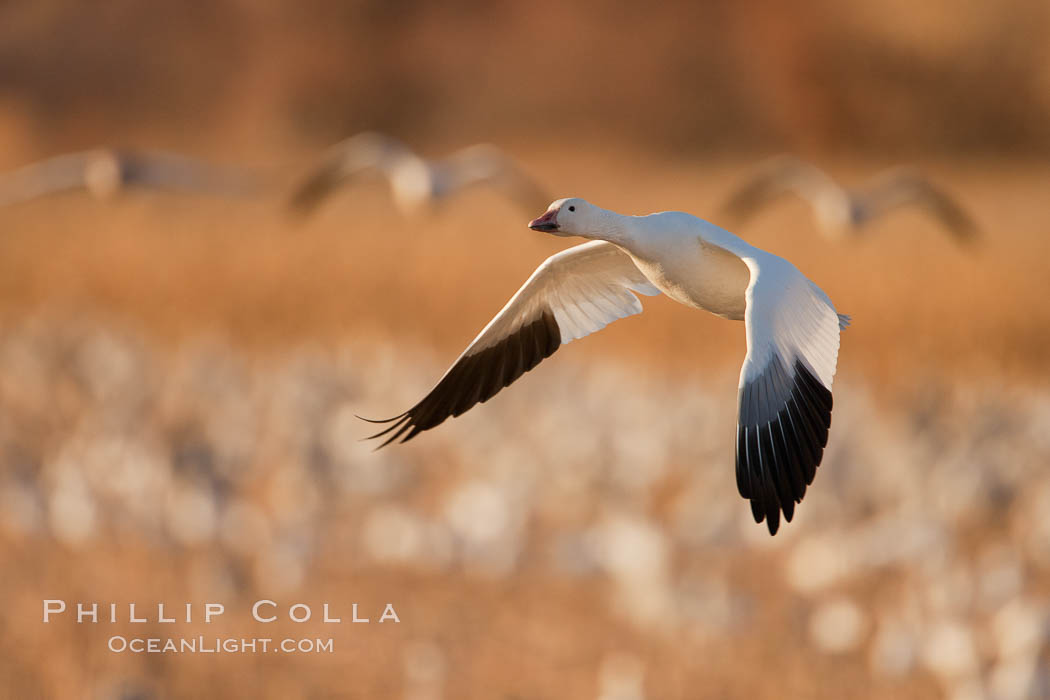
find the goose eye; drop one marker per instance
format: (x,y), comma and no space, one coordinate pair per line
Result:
(572,208)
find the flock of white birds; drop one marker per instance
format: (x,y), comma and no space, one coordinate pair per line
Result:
(923,554)
(417,182)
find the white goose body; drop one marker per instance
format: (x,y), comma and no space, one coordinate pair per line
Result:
(680,255)
(792,330)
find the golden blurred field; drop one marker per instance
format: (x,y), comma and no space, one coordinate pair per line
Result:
(179,376)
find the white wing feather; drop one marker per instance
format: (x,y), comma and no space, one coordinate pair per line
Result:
(789,316)
(586,287)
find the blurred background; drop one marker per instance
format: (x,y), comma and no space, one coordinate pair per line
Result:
(179,375)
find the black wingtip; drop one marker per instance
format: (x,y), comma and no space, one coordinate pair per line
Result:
(381,420)
(757,511)
(773,524)
(400,427)
(475,378)
(398,423)
(778,459)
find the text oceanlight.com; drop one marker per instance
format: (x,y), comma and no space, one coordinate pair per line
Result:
(218,645)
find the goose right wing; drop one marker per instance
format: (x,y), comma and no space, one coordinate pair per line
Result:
(572,294)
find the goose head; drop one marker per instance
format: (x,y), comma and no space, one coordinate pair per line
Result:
(571,216)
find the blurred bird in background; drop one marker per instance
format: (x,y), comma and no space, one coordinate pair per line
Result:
(414,181)
(841,212)
(105,172)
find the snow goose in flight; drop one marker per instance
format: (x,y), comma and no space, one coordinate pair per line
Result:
(792,330)
(414,181)
(103,172)
(842,212)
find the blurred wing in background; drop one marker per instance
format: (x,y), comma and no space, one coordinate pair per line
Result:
(776,177)
(572,294)
(906,186)
(367,152)
(181,174)
(485,164)
(96,170)
(785,387)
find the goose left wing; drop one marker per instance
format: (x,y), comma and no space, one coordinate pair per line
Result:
(785,386)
